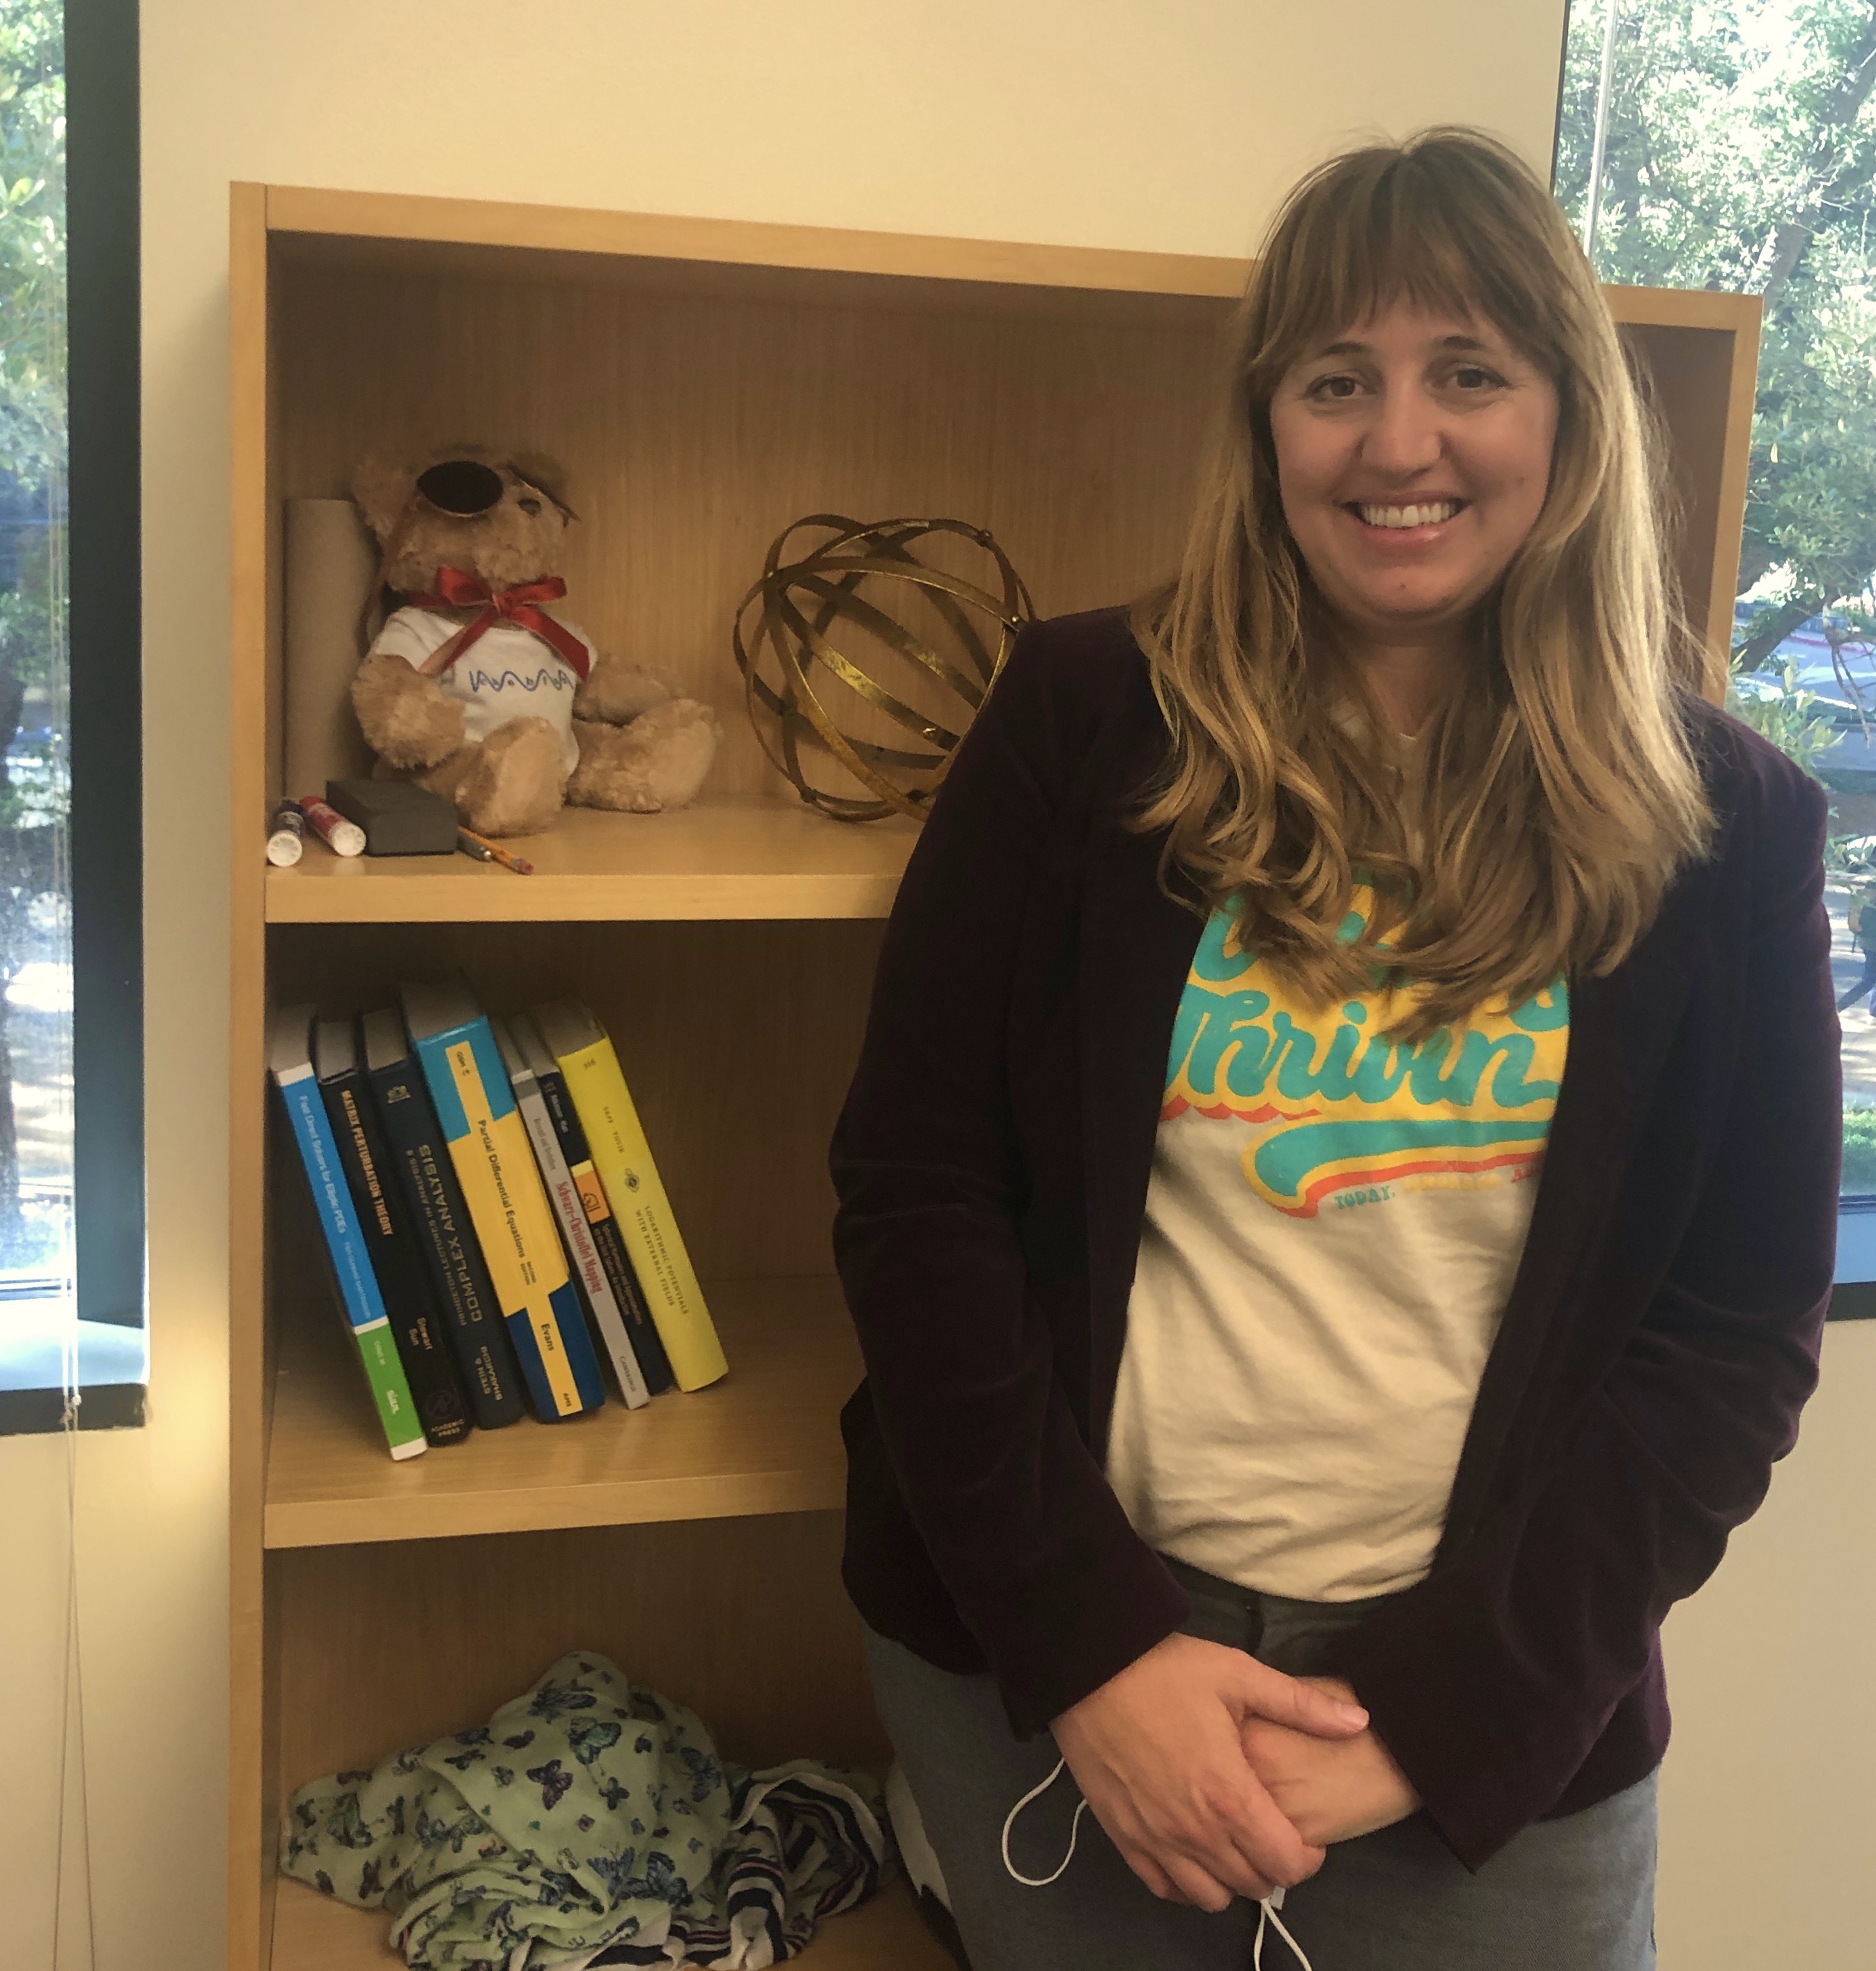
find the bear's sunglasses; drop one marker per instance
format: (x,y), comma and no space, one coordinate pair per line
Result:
(465,489)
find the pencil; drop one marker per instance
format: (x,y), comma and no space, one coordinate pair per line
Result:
(485,851)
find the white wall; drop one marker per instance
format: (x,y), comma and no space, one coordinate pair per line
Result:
(1768,1843)
(1168,124)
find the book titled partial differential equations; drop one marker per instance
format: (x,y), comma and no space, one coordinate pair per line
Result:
(467,1202)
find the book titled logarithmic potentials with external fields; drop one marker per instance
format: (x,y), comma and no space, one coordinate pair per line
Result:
(425,1175)
(589,1274)
(616,1140)
(495,1163)
(602,1221)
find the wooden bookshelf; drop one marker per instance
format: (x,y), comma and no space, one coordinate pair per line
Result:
(764,1440)
(704,383)
(312,1933)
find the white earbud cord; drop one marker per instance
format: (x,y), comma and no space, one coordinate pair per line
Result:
(1074,1831)
(1266,1913)
(1266,1909)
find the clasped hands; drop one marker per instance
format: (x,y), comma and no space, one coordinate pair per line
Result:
(1217,1776)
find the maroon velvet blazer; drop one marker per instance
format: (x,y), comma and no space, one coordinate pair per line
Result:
(1660,1339)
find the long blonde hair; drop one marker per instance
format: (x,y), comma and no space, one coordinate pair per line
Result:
(1560,791)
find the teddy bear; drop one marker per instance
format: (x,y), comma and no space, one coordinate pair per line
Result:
(475,689)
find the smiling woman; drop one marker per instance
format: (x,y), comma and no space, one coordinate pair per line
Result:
(1337,1196)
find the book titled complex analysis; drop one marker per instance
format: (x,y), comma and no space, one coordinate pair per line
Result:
(289,1056)
(623,1156)
(388,1238)
(472,1321)
(576,1233)
(495,1163)
(601,1223)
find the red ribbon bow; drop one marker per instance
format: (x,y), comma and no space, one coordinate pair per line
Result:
(456,588)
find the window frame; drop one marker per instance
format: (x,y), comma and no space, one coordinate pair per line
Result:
(104,534)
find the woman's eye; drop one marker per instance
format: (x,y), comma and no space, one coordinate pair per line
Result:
(1334,386)
(1473,378)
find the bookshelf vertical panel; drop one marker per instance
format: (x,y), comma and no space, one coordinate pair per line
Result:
(1688,374)
(742,1620)
(254,454)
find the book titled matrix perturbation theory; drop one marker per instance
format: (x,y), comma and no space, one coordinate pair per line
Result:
(495,1163)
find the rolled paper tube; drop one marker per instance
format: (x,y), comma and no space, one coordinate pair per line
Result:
(286,836)
(342,837)
(329,562)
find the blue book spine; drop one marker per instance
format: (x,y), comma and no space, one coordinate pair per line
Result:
(508,1206)
(363,1304)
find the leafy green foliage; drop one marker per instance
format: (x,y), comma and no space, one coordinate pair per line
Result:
(32,422)
(1741,155)
(1785,715)
(32,240)
(1859,1152)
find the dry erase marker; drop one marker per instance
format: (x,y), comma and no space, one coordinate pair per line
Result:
(286,836)
(342,837)
(485,851)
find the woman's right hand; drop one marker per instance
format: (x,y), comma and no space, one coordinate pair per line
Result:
(1156,1753)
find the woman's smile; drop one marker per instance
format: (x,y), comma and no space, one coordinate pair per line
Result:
(1419,518)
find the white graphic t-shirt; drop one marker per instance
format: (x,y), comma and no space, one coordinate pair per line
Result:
(506,674)
(1332,1225)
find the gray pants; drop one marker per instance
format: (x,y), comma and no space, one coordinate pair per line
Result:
(1573,1894)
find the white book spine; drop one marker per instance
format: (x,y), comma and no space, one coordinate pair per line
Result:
(578,1234)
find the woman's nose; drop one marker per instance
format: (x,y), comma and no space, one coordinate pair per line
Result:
(1404,437)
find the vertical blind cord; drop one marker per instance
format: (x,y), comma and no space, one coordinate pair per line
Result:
(74,1680)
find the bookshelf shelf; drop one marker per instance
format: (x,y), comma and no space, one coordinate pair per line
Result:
(314,1933)
(764,1440)
(748,857)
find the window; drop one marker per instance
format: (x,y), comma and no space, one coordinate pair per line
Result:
(71,1215)
(1731,144)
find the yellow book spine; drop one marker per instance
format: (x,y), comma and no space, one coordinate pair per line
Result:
(493,1163)
(615,1140)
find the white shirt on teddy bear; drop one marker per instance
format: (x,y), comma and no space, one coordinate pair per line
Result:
(506,674)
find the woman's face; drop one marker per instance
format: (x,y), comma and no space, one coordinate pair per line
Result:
(1413,455)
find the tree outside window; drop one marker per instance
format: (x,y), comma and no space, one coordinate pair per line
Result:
(35,916)
(1739,153)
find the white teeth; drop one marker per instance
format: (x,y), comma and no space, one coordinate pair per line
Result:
(1428,515)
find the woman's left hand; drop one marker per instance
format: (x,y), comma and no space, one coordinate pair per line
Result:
(1329,1789)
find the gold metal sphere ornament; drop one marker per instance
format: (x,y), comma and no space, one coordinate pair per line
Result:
(839,677)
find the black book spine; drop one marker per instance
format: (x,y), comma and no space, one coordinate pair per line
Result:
(434,1387)
(471,1320)
(654,1364)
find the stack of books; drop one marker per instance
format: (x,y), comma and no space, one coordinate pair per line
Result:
(491,1217)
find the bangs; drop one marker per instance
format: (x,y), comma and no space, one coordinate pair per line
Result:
(1442,229)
